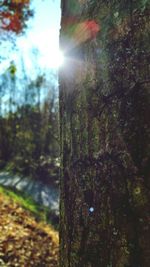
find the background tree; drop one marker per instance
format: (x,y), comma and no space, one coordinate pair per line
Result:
(24,144)
(14,15)
(29,141)
(105,136)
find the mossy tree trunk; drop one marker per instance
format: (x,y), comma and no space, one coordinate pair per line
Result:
(105,134)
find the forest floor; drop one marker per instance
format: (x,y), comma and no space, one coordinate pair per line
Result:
(43,194)
(24,242)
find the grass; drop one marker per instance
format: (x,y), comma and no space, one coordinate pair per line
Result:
(24,241)
(40,212)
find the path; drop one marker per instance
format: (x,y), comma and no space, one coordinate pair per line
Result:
(41,193)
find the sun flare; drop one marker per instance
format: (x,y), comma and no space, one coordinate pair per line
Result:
(56,59)
(52,58)
(48,54)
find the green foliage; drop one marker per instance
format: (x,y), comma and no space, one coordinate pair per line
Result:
(12,69)
(31,148)
(29,137)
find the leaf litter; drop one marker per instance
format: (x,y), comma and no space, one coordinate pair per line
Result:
(24,242)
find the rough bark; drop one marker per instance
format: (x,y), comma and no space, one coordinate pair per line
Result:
(105,135)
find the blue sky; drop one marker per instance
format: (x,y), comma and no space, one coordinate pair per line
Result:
(42,36)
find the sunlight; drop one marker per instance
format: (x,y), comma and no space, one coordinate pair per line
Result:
(60,58)
(52,59)
(48,53)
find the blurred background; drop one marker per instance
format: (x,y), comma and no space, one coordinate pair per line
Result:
(29,132)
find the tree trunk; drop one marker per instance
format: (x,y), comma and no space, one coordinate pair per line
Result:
(105,134)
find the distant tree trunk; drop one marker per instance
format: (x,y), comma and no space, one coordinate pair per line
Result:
(105,134)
